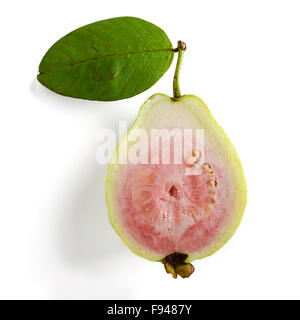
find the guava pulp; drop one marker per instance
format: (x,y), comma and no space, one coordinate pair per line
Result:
(157,209)
(167,211)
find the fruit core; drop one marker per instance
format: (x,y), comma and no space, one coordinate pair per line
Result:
(170,212)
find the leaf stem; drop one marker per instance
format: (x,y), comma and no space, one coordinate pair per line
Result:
(176,89)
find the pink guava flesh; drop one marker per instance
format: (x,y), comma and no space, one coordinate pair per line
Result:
(166,211)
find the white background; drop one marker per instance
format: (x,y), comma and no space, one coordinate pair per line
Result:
(242,58)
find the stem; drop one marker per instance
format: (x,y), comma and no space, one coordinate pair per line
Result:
(175,264)
(176,89)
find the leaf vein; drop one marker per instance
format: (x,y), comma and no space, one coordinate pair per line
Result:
(107,56)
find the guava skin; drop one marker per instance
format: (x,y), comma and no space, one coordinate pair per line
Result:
(160,213)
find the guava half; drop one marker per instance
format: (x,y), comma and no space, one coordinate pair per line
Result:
(161,211)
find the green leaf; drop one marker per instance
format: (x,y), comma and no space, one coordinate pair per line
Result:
(107,60)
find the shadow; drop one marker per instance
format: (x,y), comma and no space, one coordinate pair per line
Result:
(50,98)
(55,101)
(82,232)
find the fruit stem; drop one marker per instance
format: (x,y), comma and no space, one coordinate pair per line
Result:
(175,264)
(176,89)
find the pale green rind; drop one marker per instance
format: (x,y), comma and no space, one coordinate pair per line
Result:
(203,115)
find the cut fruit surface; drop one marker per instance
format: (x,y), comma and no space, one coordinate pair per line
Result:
(188,209)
